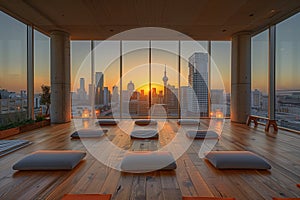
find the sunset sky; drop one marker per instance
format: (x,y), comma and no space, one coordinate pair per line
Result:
(135,59)
(136,62)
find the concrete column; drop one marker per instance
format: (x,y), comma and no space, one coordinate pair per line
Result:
(241,77)
(60,111)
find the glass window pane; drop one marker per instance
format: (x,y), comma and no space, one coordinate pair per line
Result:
(194,79)
(259,77)
(220,78)
(13,67)
(41,70)
(164,78)
(287,109)
(80,76)
(135,79)
(107,63)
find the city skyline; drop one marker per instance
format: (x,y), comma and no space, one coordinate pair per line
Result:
(136,100)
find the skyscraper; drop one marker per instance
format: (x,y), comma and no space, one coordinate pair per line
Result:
(99,94)
(185,99)
(130,88)
(91,93)
(165,80)
(106,96)
(172,101)
(82,86)
(198,80)
(115,94)
(81,93)
(256,99)
(115,100)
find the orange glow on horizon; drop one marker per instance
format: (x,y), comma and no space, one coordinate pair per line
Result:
(153,85)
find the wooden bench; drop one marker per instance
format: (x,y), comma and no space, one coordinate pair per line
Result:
(270,122)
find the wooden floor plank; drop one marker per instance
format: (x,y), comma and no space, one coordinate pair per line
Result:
(124,187)
(153,186)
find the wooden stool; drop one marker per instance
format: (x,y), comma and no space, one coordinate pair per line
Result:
(252,118)
(271,122)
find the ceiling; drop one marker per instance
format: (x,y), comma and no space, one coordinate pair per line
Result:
(199,19)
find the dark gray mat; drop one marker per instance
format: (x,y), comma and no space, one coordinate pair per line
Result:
(8,146)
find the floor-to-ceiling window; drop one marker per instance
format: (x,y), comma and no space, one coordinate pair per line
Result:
(107,62)
(41,71)
(13,67)
(287,69)
(164,78)
(194,78)
(287,101)
(220,78)
(80,76)
(135,79)
(259,74)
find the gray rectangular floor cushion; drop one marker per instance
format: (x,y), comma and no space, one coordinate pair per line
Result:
(50,160)
(237,160)
(88,133)
(145,161)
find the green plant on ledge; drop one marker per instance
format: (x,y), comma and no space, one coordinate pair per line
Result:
(39,118)
(16,124)
(45,97)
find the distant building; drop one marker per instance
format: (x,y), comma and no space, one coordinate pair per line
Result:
(99,93)
(130,87)
(91,93)
(198,79)
(185,99)
(23,94)
(115,94)
(115,100)
(218,102)
(160,97)
(106,96)
(81,92)
(170,96)
(256,99)
(143,107)
(217,96)
(36,101)
(172,101)
(4,94)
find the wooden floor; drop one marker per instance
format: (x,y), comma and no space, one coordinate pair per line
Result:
(193,177)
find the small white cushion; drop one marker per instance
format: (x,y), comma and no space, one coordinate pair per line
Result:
(144,134)
(202,134)
(50,160)
(145,161)
(237,160)
(188,122)
(88,133)
(145,122)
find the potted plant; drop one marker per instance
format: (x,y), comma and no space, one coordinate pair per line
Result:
(45,98)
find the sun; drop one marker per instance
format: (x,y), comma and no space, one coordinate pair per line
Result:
(159,87)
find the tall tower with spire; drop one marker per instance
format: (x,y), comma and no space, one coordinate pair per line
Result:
(165,80)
